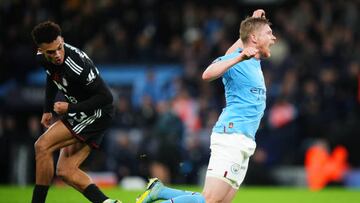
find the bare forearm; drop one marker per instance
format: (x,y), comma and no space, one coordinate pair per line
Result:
(222,64)
(217,69)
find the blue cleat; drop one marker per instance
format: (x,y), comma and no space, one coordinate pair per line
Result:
(152,191)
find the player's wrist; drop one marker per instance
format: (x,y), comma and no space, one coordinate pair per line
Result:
(242,57)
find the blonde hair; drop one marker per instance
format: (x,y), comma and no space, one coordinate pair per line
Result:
(251,24)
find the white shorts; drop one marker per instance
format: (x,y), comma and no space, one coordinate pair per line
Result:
(229,157)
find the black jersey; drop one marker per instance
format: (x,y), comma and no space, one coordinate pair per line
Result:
(78,79)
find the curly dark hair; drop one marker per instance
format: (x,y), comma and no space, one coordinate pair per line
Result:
(45,32)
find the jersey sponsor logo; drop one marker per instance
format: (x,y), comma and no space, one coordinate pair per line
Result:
(256,90)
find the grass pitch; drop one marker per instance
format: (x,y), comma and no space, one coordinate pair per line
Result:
(12,194)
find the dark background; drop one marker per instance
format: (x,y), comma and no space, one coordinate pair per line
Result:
(153,52)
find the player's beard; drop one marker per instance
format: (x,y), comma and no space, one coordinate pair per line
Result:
(265,52)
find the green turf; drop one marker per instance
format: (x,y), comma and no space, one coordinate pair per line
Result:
(10,194)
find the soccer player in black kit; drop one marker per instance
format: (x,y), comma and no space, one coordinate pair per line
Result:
(84,116)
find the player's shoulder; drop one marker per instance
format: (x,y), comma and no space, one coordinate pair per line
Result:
(230,55)
(76,60)
(254,62)
(75,52)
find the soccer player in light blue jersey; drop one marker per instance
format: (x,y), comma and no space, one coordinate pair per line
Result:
(233,136)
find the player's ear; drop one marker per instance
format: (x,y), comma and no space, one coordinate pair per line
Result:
(39,50)
(253,38)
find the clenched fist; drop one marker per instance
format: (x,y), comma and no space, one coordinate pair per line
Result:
(248,53)
(61,107)
(259,13)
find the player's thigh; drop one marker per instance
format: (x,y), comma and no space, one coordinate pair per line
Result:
(73,156)
(215,189)
(56,137)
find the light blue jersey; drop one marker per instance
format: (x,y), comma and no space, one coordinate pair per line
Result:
(245,95)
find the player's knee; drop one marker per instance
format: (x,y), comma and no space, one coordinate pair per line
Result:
(40,147)
(64,171)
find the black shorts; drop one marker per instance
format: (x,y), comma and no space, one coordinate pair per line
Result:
(89,127)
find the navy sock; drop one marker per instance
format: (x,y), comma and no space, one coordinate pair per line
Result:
(93,193)
(39,193)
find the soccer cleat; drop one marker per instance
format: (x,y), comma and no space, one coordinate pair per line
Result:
(152,191)
(112,201)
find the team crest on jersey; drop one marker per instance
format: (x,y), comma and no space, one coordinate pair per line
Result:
(235,168)
(64,81)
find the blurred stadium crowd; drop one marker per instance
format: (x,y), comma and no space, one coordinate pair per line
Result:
(313,79)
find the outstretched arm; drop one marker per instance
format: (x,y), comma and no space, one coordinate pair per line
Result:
(222,64)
